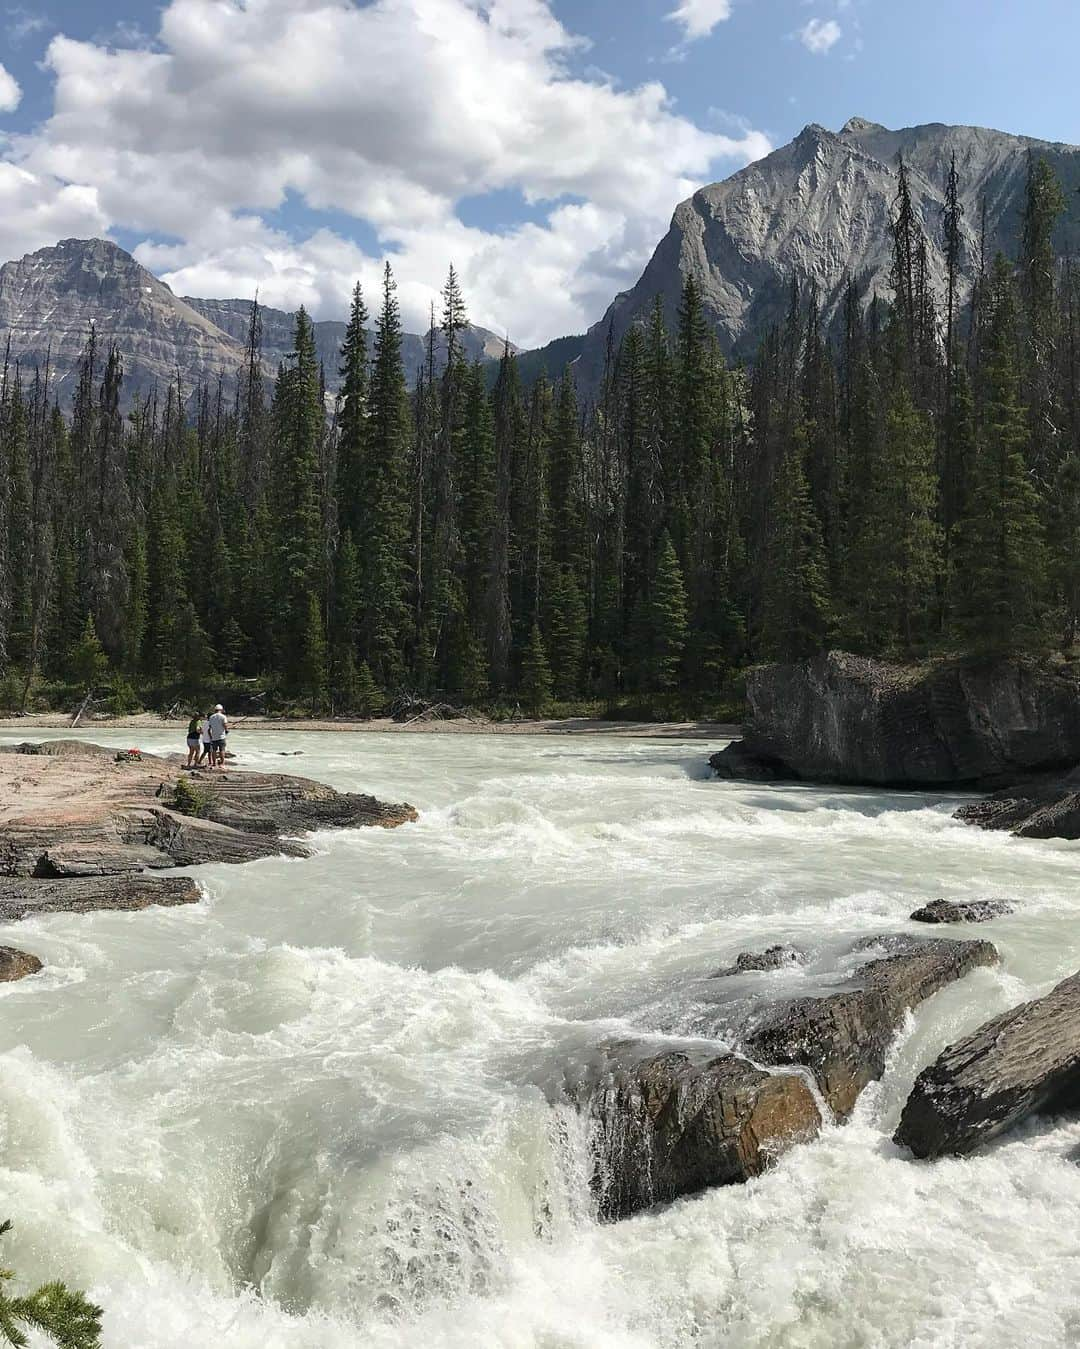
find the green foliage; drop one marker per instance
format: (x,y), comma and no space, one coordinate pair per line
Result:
(535,684)
(189,798)
(65,1316)
(368,699)
(87,662)
(662,623)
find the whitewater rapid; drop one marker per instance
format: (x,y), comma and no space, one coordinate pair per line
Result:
(321,1109)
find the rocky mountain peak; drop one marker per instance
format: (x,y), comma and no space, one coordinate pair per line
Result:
(819,210)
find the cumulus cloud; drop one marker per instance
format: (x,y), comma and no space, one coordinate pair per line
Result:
(700,17)
(10,93)
(390,113)
(819,36)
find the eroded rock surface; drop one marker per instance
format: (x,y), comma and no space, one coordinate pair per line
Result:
(1036,808)
(772,958)
(17,964)
(962,911)
(70,813)
(22,897)
(1021,1063)
(843,1038)
(670,1126)
(844,718)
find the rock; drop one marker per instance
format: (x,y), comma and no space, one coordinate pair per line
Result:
(669,1127)
(1047,807)
(843,1038)
(844,718)
(819,208)
(1021,1063)
(17,964)
(108,819)
(739,764)
(772,958)
(964,911)
(22,897)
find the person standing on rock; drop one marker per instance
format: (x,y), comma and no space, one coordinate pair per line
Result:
(219,730)
(194,739)
(206,752)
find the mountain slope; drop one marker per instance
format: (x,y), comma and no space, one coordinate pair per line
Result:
(819,209)
(48,300)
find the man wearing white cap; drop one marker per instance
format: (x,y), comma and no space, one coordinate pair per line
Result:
(219,730)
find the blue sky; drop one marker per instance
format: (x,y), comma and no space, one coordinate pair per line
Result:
(541,146)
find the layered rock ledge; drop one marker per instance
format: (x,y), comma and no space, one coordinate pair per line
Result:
(1024,1062)
(79,829)
(664,1125)
(845,718)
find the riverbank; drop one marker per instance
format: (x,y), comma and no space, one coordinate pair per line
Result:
(625,730)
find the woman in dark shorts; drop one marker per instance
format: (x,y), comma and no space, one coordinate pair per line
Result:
(194,739)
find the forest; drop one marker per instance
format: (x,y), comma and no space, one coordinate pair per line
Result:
(904,482)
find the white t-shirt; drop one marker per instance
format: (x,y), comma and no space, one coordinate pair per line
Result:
(205,737)
(219,726)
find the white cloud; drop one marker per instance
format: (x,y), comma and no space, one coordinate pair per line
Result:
(10,93)
(820,35)
(391,113)
(700,17)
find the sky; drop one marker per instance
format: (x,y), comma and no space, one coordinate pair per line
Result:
(293,146)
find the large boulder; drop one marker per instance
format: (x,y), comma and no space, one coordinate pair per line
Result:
(843,1038)
(845,718)
(1046,807)
(961,911)
(16,964)
(1021,1063)
(669,1126)
(22,897)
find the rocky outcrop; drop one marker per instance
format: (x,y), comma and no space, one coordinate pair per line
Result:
(819,209)
(844,1037)
(844,718)
(669,1124)
(17,964)
(21,897)
(83,826)
(1021,1063)
(1046,808)
(668,1127)
(967,911)
(772,958)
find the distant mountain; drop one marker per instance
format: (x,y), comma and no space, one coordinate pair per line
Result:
(234,317)
(819,209)
(49,299)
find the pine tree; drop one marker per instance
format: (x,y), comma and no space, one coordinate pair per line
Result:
(87,661)
(311,671)
(383,519)
(67,1317)
(997,586)
(663,623)
(535,684)
(567,630)
(352,417)
(796,610)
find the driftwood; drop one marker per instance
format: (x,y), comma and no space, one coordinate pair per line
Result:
(88,702)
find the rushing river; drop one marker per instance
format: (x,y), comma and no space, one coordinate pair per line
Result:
(314,1112)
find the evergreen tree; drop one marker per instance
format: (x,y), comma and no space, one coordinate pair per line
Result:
(535,685)
(663,625)
(998,576)
(352,417)
(87,661)
(796,610)
(65,1316)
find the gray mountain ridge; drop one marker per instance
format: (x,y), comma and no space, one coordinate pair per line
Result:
(818,210)
(49,299)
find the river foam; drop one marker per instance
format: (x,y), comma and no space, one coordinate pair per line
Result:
(322,1109)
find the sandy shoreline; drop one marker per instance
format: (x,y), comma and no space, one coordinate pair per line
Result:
(626,730)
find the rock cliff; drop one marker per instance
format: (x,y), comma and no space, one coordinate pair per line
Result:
(844,718)
(818,209)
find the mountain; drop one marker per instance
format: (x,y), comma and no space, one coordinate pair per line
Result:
(234,317)
(819,209)
(49,299)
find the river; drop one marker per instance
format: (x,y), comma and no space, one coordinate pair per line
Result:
(314,1112)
